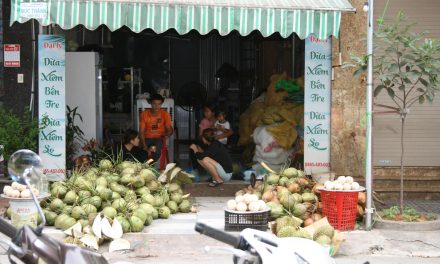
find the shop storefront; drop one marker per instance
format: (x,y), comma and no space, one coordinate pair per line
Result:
(316,22)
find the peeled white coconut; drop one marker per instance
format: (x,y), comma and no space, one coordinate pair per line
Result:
(14,185)
(341,179)
(263,205)
(241,207)
(119,244)
(355,186)
(254,206)
(349,179)
(6,189)
(14,193)
(254,198)
(232,205)
(74,230)
(113,231)
(338,186)
(247,198)
(90,241)
(25,194)
(239,198)
(96,227)
(346,186)
(36,192)
(329,185)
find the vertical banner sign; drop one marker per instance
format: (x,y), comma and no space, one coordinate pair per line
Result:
(52,105)
(317,104)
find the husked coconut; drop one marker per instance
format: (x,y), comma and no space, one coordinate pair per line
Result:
(341,179)
(241,206)
(239,198)
(329,185)
(338,186)
(232,205)
(355,186)
(254,206)
(346,186)
(263,205)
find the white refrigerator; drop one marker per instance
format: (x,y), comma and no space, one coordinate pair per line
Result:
(84,90)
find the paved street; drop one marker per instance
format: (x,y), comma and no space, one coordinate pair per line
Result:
(175,241)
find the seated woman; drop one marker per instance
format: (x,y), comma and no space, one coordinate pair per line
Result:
(214,158)
(130,147)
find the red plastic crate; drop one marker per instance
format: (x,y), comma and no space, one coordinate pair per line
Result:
(340,208)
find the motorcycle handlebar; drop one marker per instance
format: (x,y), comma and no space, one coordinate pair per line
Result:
(7,229)
(217,234)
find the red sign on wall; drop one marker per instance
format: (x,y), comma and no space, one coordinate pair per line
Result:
(11,55)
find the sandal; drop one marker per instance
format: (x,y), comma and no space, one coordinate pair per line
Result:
(215,184)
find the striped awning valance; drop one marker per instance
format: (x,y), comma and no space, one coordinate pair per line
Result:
(303,17)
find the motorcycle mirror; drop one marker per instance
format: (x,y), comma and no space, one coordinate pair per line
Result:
(24,166)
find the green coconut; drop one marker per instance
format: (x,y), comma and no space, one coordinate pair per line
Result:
(141,214)
(185,206)
(119,204)
(137,182)
(105,164)
(173,206)
(272,178)
(290,172)
(58,191)
(148,208)
(148,198)
(89,208)
(78,212)
(136,224)
(110,212)
(70,198)
(50,217)
(142,190)
(124,223)
(67,209)
(147,175)
(96,201)
(56,205)
(164,212)
(105,194)
(101,181)
(176,197)
(130,195)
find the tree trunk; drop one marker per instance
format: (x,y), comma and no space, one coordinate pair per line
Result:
(401,162)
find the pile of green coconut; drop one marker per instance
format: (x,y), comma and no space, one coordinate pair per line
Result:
(127,194)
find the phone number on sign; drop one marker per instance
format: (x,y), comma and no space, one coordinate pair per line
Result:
(317,164)
(54,171)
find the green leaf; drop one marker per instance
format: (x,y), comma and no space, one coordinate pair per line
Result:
(358,72)
(391,92)
(408,56)
(421,99)
(378,89)
(420,90)
(424,82)
(402,87)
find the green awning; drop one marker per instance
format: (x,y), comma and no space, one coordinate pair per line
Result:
(303,17)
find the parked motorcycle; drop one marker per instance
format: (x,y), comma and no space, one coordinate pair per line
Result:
(258,247)
(28,244)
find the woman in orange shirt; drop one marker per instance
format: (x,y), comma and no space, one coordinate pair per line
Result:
(155,125)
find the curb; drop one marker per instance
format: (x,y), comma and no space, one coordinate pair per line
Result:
(408,226)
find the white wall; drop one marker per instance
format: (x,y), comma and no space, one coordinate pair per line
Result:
(82,92)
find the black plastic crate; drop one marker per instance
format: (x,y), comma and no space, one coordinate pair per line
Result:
(237,221)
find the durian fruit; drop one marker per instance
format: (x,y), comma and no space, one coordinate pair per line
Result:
(324,240)
(290,231)
(326,230)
